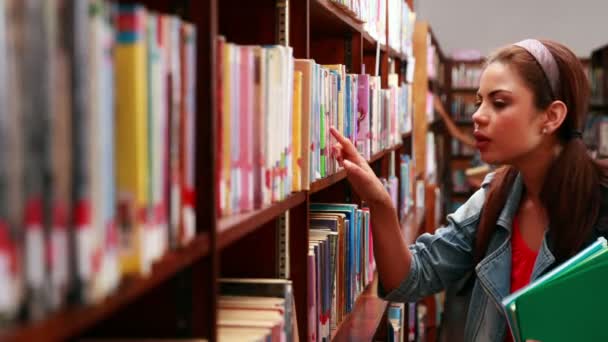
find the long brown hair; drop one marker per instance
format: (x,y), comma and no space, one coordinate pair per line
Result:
(571,190)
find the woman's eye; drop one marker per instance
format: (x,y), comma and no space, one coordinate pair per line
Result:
(499,104)
(477,104)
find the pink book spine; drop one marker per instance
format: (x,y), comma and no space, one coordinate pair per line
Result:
(312,307)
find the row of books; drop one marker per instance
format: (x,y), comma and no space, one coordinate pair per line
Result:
(461,150)
(401,20)
(256,309)
(435,67)
(459,182)
(396,322)
(274,116)
(96,148)
(462,108)
(595,135)
(406,186)
(597,79)
(373,14)
(340,264)
(466,75)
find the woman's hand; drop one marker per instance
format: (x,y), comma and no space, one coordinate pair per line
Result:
(359,173)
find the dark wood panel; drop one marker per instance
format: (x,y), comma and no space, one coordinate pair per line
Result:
(203,288)
(298,257)
(234,227)
(299,29)
(327,19)
(329,50)
(248,22)
(252,256)
(361,323)
(323,183)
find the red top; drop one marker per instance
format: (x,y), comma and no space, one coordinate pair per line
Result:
(522,263)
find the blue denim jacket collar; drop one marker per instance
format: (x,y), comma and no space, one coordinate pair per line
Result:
(494,271)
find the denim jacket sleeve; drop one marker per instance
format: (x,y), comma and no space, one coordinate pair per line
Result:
(444,257)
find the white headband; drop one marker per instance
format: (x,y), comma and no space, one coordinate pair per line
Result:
(545,59)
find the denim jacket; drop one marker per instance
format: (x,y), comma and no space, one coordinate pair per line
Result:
(446,258)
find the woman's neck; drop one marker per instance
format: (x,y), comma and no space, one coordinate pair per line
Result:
(534,168)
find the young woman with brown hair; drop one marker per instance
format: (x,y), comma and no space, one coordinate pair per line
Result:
(547,202)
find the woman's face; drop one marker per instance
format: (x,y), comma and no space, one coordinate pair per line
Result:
(507,124)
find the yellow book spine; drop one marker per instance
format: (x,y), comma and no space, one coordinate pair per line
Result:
(131,144)
(297,129)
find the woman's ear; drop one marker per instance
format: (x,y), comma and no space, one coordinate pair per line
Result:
(554,116)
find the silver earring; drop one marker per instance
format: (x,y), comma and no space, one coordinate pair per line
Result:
(544,131)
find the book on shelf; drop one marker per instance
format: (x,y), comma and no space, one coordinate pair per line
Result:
(341,264)
(534,312)
(459,181)
(259,306)
(463,107)
(274,118)
(466,75)
(85,200)
(396,322)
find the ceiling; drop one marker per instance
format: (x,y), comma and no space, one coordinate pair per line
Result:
(485,25)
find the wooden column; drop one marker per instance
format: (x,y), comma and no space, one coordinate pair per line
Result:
(420,89)
(205,272)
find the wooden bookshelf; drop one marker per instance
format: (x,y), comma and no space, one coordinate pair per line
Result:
(318,30)
(329,19)
(361,324)
(72,321)
(384,153)
(326,182)
(232,228)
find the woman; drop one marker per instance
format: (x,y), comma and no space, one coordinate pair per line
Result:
(541,208)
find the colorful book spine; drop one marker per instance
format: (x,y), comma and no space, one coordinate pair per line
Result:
(188,132)
(175,132)
(297,132)
(131,135)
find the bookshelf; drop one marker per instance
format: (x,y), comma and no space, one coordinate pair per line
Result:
(184,282)
(594,133)
(463,78)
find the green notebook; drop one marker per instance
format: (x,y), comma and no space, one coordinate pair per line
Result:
(566,304)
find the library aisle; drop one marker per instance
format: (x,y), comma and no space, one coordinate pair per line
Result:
(166,166)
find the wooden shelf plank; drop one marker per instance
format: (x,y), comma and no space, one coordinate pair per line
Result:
(395,54)
(361,323)
(328,181)
(327,18)
(70,322)
(384,153)
(233,227)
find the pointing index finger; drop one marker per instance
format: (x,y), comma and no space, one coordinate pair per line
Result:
(346,144)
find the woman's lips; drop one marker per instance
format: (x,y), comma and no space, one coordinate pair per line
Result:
(482,140)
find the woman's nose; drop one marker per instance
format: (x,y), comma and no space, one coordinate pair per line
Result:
(479,117)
